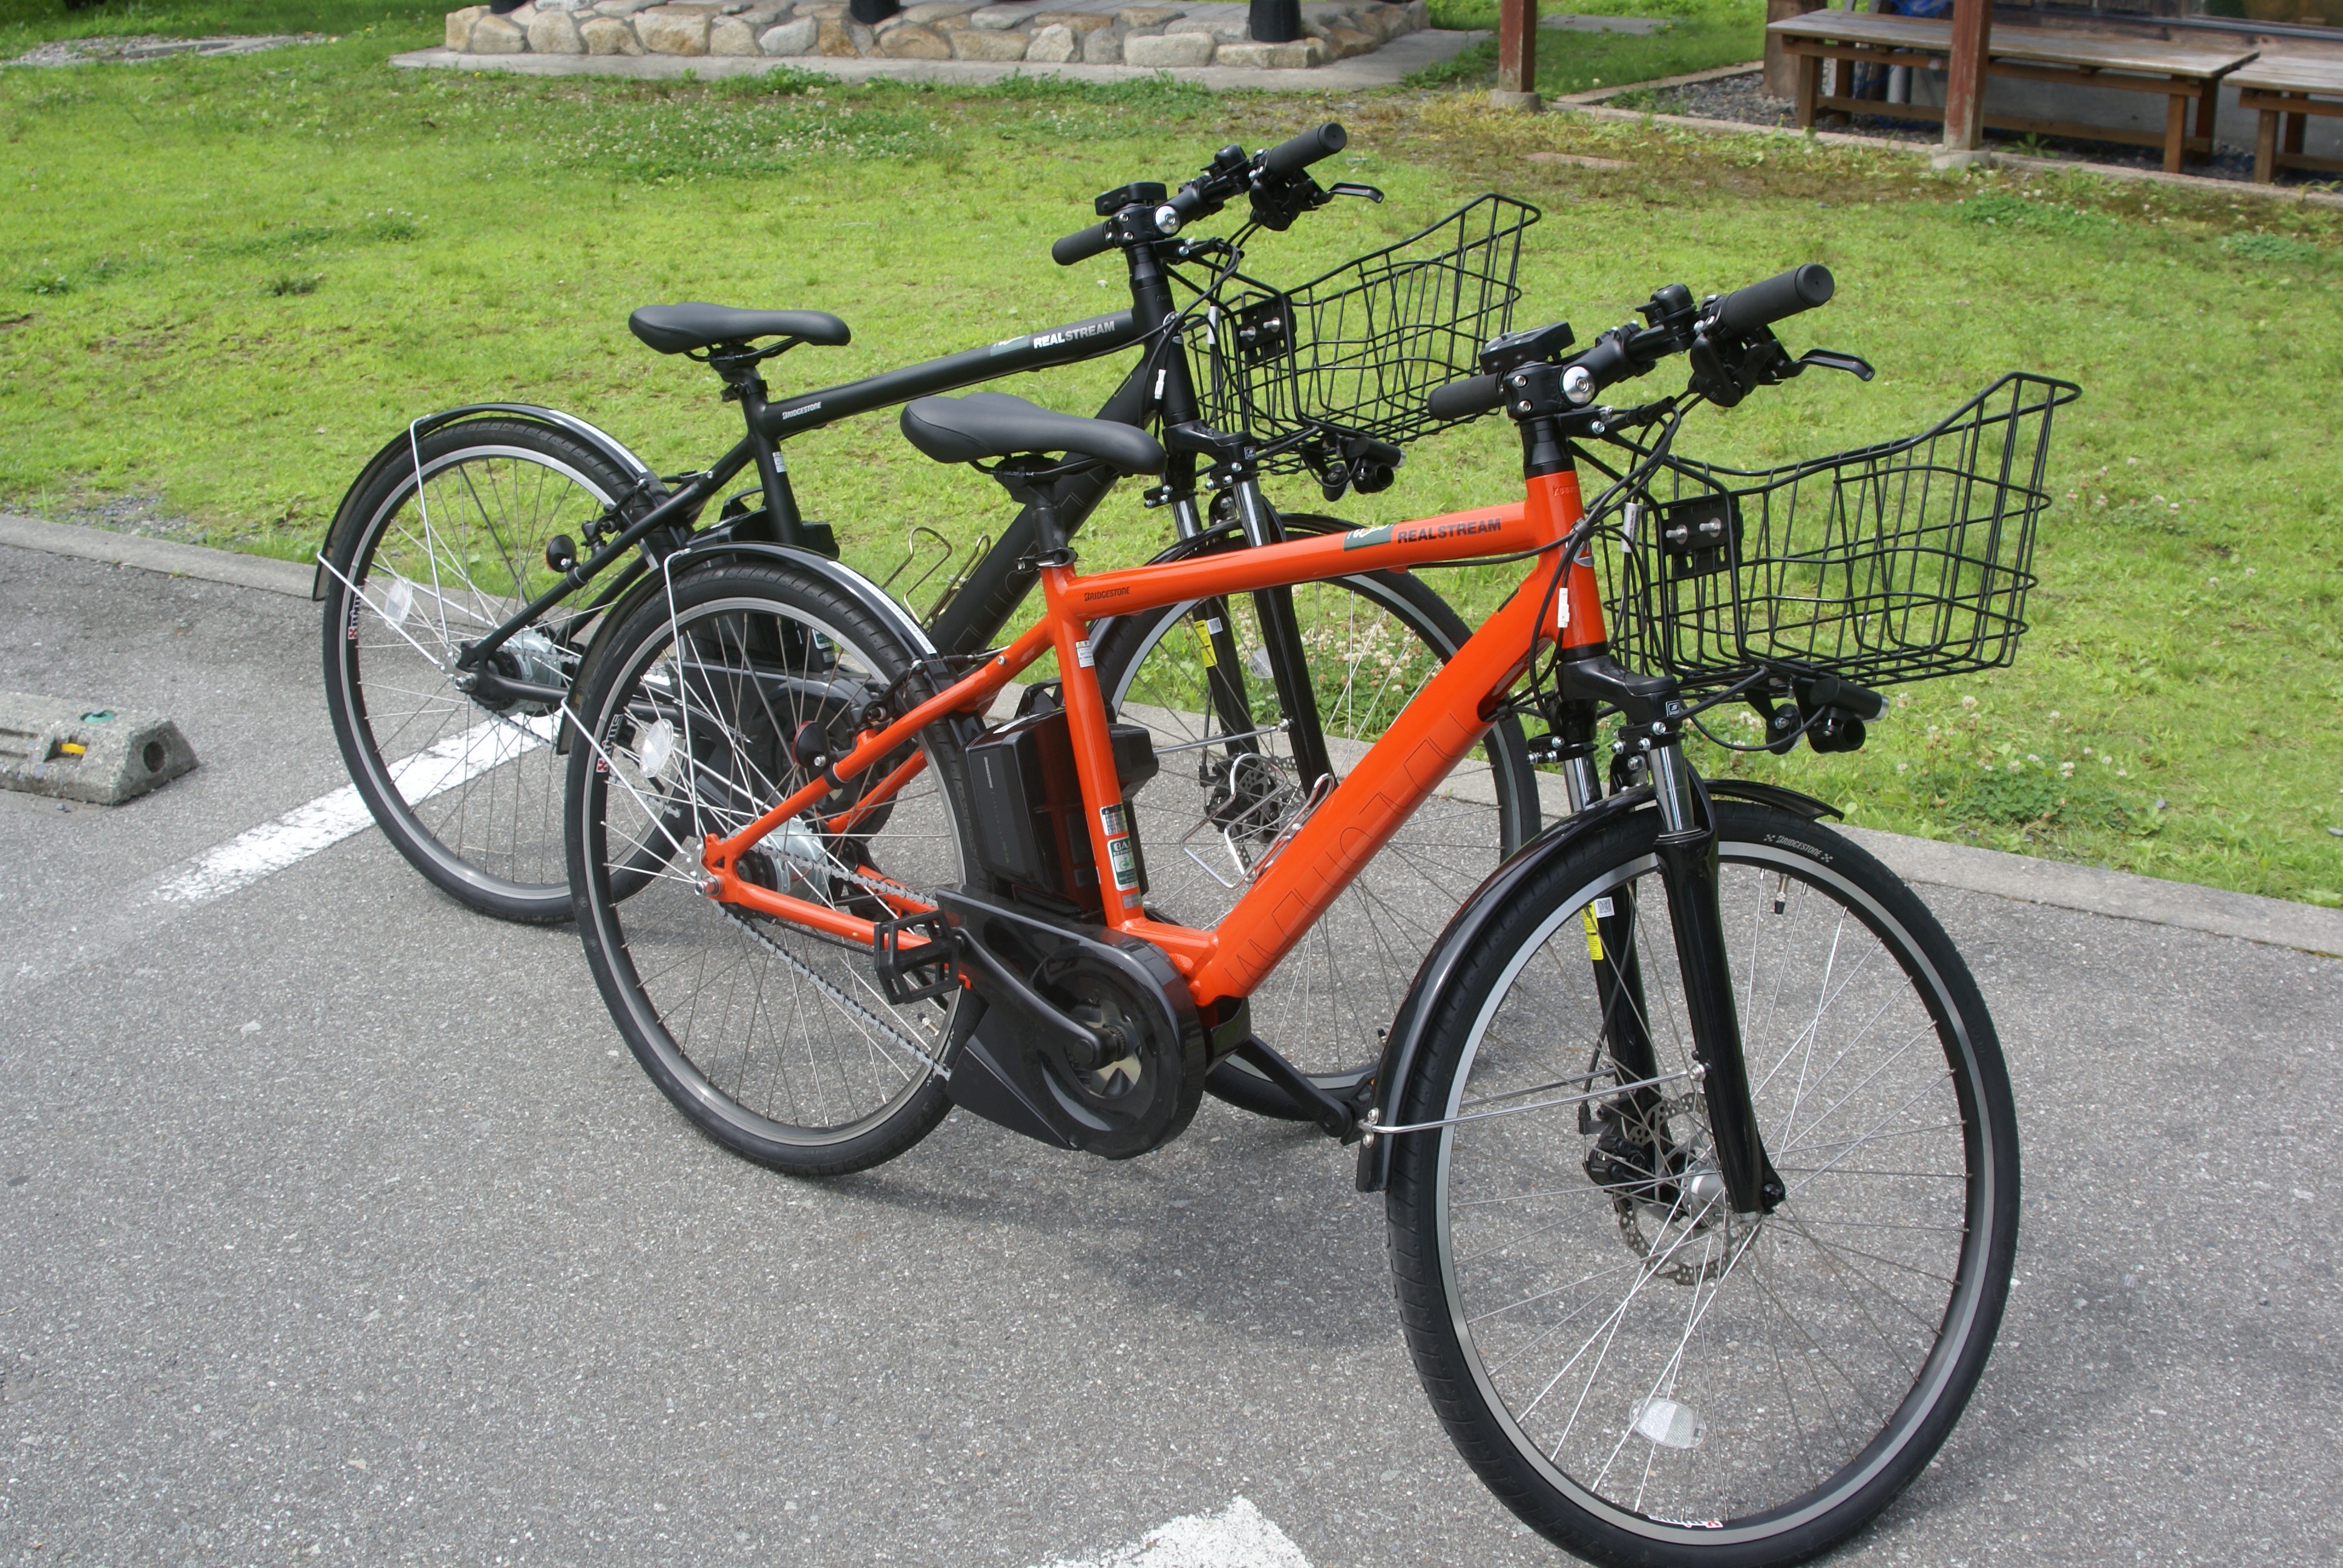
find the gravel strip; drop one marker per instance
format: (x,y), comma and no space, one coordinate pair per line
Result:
(1743,99)
(152,46)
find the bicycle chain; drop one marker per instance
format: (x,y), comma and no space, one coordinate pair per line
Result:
(834,993)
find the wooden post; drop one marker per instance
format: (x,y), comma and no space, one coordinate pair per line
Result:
(1780,78)
(1965,81)
(1516,55)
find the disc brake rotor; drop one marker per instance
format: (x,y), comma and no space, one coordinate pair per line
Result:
(1694,1232)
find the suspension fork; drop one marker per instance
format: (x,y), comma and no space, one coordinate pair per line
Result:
(1281,634)
(1687,848)
(1611,949)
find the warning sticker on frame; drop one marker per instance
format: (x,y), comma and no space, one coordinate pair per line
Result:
(1121,857)
(1082,653)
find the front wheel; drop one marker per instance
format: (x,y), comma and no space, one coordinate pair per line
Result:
(1642,1376)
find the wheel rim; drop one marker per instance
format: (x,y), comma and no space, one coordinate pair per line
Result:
(1730,1380)
(1326,1005)
(480,790)
(780,1032)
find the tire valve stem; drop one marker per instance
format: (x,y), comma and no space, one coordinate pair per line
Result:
(1782,892)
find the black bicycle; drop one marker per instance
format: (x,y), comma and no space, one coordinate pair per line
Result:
(472,570)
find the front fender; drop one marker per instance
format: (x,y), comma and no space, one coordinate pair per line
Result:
(1447,956)
(400,448)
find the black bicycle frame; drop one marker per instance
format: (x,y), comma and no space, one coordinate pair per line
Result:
(1160,385)
(768,423)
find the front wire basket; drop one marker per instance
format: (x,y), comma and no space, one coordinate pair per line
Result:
(1356,351)
(1898,562)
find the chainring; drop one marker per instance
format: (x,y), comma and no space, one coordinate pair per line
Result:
(1145,1090)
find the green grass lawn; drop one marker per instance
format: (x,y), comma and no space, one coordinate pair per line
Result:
(1700,34)
(223,284)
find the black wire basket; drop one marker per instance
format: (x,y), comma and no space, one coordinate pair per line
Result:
(1355,352)
(1898,562)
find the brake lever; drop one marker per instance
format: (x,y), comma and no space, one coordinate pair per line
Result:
(1352,188)
(1832,359)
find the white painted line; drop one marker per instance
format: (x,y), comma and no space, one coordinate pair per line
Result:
(330,819)
(1238,1536)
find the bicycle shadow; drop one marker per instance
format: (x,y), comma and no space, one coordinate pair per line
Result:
(1251,1223)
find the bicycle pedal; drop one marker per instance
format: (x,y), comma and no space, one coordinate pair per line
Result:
(899,970)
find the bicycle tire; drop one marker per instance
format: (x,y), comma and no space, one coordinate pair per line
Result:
(1325,1012)
(469,796)
(1613,1352)
(772,1039)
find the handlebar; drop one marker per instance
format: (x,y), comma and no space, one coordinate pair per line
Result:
(1726,335)
(1081,246)
(1138,214)
(1779,298)
(1290,157)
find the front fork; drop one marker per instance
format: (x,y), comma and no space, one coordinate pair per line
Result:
(1686,849)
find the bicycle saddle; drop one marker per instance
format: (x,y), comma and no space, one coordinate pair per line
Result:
(673,329)
(995,425)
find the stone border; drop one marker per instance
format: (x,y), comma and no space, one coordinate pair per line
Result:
(2120,895)
(1384,67)
(1088,32)
(168,557)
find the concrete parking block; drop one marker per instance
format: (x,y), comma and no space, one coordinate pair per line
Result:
(87,751)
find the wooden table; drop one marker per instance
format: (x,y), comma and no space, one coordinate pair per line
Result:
(2289,87)
(2180,73)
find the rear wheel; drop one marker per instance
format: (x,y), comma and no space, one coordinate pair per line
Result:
(772,1037)
(469,793)
(1643,1376)
(1372,641)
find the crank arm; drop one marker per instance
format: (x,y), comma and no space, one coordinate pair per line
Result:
(1335,1119)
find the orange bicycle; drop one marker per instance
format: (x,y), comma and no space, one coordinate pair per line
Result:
(1697,1147)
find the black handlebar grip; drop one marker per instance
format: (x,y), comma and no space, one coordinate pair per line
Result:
(1290,157)
(1462,400)
(1081,246)
(1783,296)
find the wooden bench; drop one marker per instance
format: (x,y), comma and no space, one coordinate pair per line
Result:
(2182,75)
(2289,88)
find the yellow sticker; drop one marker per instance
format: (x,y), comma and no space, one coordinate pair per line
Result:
(1204,645)
(1593,934)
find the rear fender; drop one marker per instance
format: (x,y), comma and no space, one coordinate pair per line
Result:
(1441,965)
(719,543)
(400,449)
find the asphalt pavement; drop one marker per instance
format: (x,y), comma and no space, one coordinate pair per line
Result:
(336,1225)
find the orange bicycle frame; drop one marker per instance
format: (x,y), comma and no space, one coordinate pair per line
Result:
(1334,842)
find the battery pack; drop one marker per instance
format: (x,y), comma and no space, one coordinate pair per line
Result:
(1030,832)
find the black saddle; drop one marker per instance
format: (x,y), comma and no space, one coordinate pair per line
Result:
(995,425)
(673,329)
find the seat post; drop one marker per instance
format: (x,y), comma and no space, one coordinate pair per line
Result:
(744,386)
